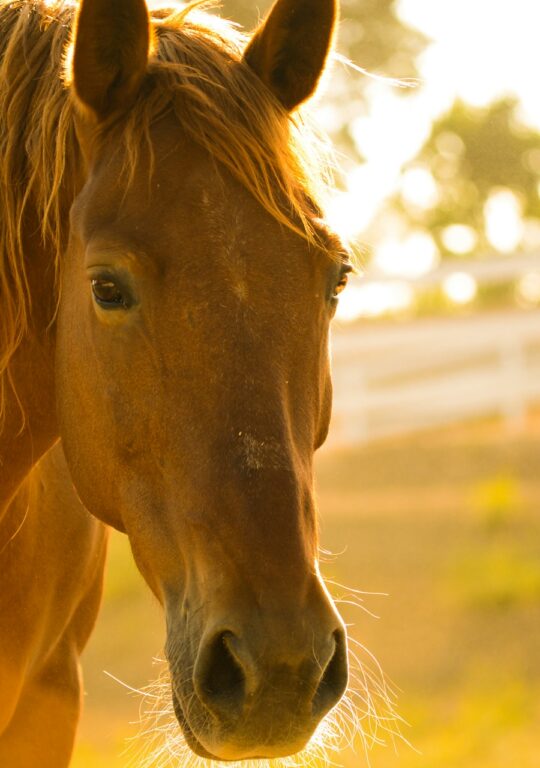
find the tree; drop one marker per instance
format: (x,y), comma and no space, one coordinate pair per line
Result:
(476,157)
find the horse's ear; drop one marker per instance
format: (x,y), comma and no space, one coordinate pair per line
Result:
(290,48)
(110,55)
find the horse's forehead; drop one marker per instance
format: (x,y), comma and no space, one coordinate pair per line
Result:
(204,205)
(190,185)
(184,201)
(175,196)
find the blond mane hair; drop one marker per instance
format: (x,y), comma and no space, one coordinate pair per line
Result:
(196,71)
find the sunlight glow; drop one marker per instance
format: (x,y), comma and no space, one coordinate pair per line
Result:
(459,239)
(481,50)
(503,220)
(373,299)
(529,288)
(469,59)
(460,287)
(412,257)
(342,215)
(418,187)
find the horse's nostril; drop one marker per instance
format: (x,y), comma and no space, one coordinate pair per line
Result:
(220,679)
(333,683)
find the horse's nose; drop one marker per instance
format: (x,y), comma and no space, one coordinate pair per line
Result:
(221,675)
(230,671)
(333,677)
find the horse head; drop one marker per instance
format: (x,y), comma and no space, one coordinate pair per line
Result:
(193,381)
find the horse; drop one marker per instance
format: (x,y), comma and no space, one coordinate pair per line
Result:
(167,283)
(52,553)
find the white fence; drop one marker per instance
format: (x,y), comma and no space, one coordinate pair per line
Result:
(400,378)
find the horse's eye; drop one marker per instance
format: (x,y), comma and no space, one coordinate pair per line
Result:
(340,287)
(107,294)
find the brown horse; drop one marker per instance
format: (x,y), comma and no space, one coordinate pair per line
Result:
(167,281)
(52,554)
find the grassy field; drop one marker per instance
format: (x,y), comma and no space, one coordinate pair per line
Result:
(447,525)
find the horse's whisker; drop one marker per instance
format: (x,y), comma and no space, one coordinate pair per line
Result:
(366,717)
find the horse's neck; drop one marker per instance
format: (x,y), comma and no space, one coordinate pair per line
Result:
(29,427)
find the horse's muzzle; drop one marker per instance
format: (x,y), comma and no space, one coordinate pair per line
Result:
(256,694)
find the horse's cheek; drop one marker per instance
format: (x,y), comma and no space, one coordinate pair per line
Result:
(81,400)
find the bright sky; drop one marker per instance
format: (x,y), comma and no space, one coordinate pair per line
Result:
(482,48)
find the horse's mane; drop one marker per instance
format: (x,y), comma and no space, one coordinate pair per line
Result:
(195,70)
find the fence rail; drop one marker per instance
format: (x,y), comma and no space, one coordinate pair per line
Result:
(400,378)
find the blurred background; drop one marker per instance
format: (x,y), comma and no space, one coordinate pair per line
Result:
(429,486)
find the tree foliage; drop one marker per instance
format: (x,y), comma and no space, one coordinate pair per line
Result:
(472,153)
